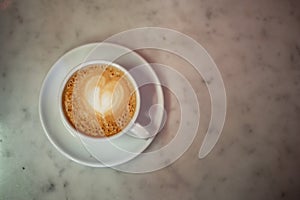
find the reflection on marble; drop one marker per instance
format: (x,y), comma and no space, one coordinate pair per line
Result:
(257,48)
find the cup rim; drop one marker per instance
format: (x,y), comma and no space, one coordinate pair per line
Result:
(77,133)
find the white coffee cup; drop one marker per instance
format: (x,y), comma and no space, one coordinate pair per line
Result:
(133,128)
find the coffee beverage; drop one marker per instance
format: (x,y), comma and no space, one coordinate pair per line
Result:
(99,100)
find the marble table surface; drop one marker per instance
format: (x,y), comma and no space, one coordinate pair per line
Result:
(256,46)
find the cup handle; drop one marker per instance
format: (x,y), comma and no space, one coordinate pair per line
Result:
(138,131)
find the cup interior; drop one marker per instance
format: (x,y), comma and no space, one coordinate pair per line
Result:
(66,122)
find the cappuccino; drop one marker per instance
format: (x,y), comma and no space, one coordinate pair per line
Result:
(99,100)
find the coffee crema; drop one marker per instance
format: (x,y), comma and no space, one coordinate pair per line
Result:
(99,100)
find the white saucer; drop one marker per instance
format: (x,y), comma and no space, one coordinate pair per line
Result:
(72,147)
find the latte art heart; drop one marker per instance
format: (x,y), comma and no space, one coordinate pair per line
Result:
(99,100)
(103,95)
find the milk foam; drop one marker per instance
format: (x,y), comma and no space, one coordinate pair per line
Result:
(102,100)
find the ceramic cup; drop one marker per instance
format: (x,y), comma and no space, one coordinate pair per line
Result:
(133,128)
